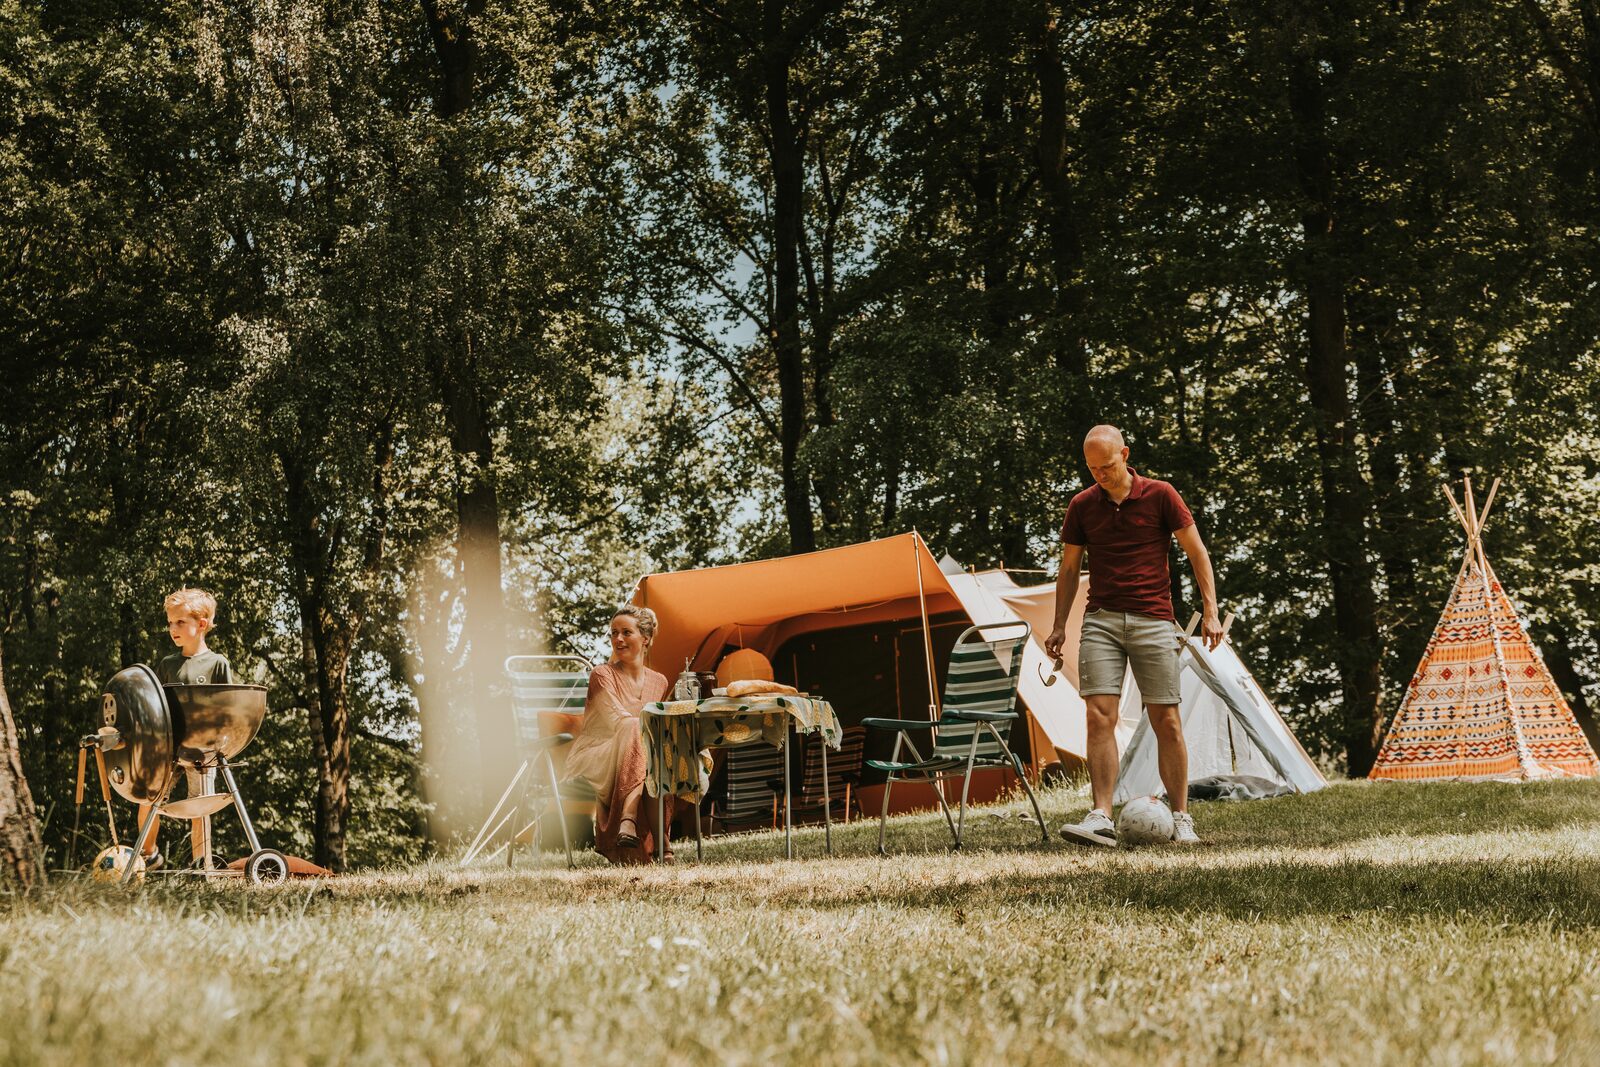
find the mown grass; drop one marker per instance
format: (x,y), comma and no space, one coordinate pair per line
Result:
(1363,924)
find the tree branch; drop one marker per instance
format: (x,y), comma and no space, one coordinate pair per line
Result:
(1566,63)
(739,382)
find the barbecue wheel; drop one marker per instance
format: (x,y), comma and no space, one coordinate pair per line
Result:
(267,867)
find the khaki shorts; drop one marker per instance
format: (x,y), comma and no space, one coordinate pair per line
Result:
(1115,640)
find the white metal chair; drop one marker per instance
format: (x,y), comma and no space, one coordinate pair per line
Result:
(540,685)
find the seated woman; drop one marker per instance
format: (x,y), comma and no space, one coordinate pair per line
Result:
(608,752)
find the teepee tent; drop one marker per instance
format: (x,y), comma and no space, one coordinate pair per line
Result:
(1230,728)
(1482,704)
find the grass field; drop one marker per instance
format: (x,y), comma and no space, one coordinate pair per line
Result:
(1367,923)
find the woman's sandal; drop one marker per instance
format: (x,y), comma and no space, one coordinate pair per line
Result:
(625,840)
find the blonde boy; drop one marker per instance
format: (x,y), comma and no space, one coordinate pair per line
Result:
(190,614)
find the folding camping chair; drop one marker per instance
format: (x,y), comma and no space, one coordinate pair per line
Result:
(752,783)
(540,686)
(980,698)
(843,770)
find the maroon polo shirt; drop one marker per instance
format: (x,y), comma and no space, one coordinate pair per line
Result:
(1127,544)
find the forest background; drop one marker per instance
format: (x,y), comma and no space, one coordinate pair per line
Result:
(419,331)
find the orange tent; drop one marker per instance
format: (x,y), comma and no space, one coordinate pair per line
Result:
(765,604)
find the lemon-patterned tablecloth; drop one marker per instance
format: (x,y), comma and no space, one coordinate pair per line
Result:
(675,732)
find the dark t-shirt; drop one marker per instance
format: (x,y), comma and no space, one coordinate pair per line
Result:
(1127,544)
(202,668)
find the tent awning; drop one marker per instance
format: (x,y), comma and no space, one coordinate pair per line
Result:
(692,606)
(757,605)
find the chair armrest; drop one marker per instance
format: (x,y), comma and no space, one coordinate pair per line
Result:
(552,741)
(899,724)
(980,716)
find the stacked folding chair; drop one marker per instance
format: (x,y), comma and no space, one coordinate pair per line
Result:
(753,783)
(843,772)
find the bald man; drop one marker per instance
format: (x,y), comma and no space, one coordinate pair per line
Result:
(1125,522)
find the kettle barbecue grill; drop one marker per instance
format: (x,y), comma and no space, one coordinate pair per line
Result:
(149,732)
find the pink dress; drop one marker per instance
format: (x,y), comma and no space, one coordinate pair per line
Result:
(609,754)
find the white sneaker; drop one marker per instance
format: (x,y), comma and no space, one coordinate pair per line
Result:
(1096,829)
(1183,829)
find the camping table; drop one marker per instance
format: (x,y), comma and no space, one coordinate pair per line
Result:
(674,732)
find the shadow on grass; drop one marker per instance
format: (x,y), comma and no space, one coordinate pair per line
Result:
(1261,861)
(1343,814)
(1560,893)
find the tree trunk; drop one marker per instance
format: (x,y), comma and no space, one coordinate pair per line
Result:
(787,155)
(819,270)
(326,639)
(456,47)
(1379,376)
(313,699)
(471,431)
(331,646)
(998,531)
(21,848)
(56,713)
(310,563)
(891,493)
(1062,226)
(478,548)
(1344,504)
(1578,64)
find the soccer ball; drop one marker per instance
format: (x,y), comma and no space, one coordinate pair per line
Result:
(1144,821)
(111,864)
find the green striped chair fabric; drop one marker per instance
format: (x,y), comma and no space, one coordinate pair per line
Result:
(535,692)
(976,681)
(980,701)
(844,767)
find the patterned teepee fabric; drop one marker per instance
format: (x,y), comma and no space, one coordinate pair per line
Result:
(1482,703)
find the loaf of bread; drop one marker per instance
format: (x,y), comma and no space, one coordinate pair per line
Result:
(756,687)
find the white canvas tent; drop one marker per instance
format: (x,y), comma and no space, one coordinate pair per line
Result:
(992,597)
(1230,726)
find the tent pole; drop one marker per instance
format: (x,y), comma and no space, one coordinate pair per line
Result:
(1472,508)
(1483,516)
(1461,516)
(1525,760)
(927,633)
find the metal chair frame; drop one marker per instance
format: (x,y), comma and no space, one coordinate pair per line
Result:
(539,751)
(849,772)
(936,769)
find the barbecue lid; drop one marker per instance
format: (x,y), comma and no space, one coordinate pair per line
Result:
(211,719)
(141,766)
